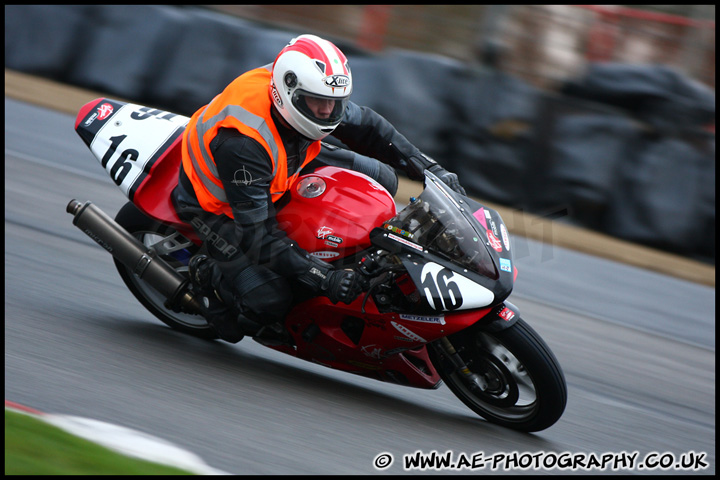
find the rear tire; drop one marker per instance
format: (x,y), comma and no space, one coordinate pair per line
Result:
(526,386)
(176,250)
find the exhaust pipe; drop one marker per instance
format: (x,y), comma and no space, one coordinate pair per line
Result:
(129,251)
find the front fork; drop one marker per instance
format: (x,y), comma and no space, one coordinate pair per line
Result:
(474,380)
(499,318)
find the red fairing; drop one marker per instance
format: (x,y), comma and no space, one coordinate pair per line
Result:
(85,110)
(382,343)
(152,191)
(336,223)
(153,196)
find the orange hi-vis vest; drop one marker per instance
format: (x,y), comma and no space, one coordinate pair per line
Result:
(245,105)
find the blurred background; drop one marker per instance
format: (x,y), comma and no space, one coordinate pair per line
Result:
(599,116)
(542,44)
(602,117)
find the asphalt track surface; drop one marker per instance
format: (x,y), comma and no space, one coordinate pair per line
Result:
(637,348)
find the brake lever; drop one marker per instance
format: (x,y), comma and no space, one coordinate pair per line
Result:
(367,273)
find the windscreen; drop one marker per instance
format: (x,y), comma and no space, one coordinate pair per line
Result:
(434,220)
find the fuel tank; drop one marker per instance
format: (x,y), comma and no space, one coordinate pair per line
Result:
(331,212)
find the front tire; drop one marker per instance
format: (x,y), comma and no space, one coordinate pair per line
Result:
(176,250)
(526,388)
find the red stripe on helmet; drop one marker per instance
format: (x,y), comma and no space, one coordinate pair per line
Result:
(312,50)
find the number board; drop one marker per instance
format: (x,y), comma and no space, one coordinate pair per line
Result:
(132,139)
(447,290)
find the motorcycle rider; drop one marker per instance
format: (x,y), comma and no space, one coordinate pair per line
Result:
(241,153)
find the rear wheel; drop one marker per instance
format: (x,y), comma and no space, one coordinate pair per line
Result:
(525,389)
(176,250)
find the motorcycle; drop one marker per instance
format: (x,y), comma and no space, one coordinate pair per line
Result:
(437,272)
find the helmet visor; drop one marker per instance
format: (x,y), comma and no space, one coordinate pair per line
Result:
(325,111)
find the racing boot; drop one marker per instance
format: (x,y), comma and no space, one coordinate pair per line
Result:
(222,320)
(273,335)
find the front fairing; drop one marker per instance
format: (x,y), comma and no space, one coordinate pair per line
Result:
(456,250)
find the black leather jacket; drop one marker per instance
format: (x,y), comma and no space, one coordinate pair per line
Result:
(259,238)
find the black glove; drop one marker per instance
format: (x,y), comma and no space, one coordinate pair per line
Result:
(450,179)
(338,285)
(341,286)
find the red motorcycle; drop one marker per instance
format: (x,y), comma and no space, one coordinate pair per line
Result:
(438,272)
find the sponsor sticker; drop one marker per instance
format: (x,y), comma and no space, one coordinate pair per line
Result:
(371,351)
(90,120)
(479,215)
(336,81)
(104,111)
(399,231)
(409,334)
(505,237)
(325,255)
(324,231)
(505,265)
(276,97)
(492,226)
(405,242)
(421,318)
(494,242)
(506,314)
(334,238)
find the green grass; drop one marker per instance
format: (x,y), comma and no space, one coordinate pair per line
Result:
(33,447)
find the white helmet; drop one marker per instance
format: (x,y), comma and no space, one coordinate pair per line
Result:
(310,86)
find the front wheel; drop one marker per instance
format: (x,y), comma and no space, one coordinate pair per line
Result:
(525,387)
(176,250)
